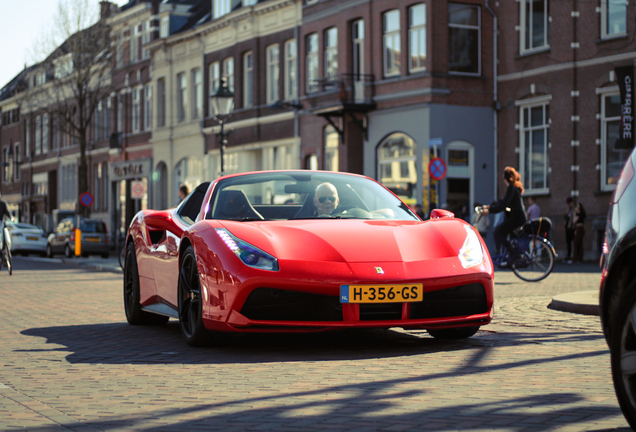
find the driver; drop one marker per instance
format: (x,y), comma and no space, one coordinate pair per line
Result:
(326,199)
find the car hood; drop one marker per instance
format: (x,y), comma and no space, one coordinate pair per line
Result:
(353,241)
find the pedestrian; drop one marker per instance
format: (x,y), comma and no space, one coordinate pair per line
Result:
(480,221)
(419,211)
(183,192)
(579,232)
(534,211)
(569,228)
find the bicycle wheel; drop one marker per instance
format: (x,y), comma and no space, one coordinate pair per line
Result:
(536,261)
(8,260)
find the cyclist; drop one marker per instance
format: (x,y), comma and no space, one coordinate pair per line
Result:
(515,215)
(4,211)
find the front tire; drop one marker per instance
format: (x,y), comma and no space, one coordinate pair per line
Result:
(453,333)
(67,251)
(622,345)
(49,251)
(132,306)
(191,302)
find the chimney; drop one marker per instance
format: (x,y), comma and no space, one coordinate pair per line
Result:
(104,11)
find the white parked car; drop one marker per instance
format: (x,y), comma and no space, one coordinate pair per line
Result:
(26,238)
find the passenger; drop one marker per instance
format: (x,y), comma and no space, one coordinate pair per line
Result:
(326,199)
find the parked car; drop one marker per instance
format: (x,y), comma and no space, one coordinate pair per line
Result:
(26,238)
(94,237)
(618,289)
(304,251)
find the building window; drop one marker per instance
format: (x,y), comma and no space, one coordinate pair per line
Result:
(45,133)
(533,146)
(147,107)
(8,164)
(464,45)
(161,102)
(248,79)
(135,109)
(98,122)
(391,43)
(613,17)
(312,63)
(119,52)
(222,7)
(332,152)
(134,38)
(291,80)
(228,72)
(417,38)
(146,38)
(197,93)
(105,186)
(27,137)
(17,162)
(109,107)
(38,135)
(215,77)
(181,96)
(612,159)
(534,25)
(396,165)
(120,112)
(272,57)
(164,30)
(97,185)
(331,52)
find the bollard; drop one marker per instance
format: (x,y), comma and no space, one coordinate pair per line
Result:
(78,242)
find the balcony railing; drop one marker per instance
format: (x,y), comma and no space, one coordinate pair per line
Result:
(353,92)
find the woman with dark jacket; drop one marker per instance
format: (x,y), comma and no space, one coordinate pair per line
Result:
(516,216)
(579,232)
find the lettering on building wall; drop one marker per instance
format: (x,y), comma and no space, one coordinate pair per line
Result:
(625,77)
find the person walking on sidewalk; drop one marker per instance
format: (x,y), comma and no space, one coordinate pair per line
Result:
(579,232)
(569,228)
(534,211)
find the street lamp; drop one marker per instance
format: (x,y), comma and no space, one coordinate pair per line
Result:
(222,103)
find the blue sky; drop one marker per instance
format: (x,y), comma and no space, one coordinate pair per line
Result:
(22,24)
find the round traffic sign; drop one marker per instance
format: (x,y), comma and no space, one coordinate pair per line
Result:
(437,168)
(86,199)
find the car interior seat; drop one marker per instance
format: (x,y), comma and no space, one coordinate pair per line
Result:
(233,204)
(308,209)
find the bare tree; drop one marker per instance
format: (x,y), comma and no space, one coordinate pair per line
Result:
(77,76)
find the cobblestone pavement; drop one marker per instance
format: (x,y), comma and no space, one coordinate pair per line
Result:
(70,362)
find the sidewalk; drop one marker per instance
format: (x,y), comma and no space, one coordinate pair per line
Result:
(110,264)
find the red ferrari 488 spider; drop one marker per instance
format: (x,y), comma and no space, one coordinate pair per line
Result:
(303,251)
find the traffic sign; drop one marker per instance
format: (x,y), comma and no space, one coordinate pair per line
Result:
(437,168)
(137,189)
(86,199)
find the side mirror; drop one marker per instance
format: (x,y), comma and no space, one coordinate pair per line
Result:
(162,220)
(441,213)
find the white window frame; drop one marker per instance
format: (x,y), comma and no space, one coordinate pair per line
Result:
(291,75)
(391,39)
(606,32)
(38,135)
(228,72)
(135,117)
(528,104)
(221,7)
(248,79)
(146,38)
(214,73)
(417,32)
(197,93)
(469,27)
(272,71)
(164,30)
(147,107)
(182,96)
(331,53)
(312,48)
(134,40)
(524,30)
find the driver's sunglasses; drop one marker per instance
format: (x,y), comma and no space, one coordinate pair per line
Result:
(322,199)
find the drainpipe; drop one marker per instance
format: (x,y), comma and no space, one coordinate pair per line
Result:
(495,96)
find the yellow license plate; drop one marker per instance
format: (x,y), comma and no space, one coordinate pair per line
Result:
(92,239)
(32,238)
(381,293)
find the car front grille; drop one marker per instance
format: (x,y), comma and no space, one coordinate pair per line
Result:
(451,302)
(282,305)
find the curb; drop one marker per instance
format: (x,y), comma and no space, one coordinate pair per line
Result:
(580,302)
(95,267)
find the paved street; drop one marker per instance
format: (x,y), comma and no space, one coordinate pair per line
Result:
(71,362)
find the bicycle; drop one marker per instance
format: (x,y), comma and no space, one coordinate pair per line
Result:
(5,254)
(533,256)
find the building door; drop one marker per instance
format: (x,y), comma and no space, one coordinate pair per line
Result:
(459,178)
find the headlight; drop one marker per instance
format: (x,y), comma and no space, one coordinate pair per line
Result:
(471,253)
(250,255)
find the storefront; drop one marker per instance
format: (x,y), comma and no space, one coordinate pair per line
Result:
(129,191)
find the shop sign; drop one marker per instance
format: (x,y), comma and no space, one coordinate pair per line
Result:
(129,169)
(625,78)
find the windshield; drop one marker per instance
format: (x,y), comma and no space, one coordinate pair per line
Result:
(304,195)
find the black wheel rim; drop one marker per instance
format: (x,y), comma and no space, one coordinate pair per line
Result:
(129,287)
(189,296)
(628,356)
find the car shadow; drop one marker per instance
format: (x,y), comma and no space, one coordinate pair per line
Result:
(120,343)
